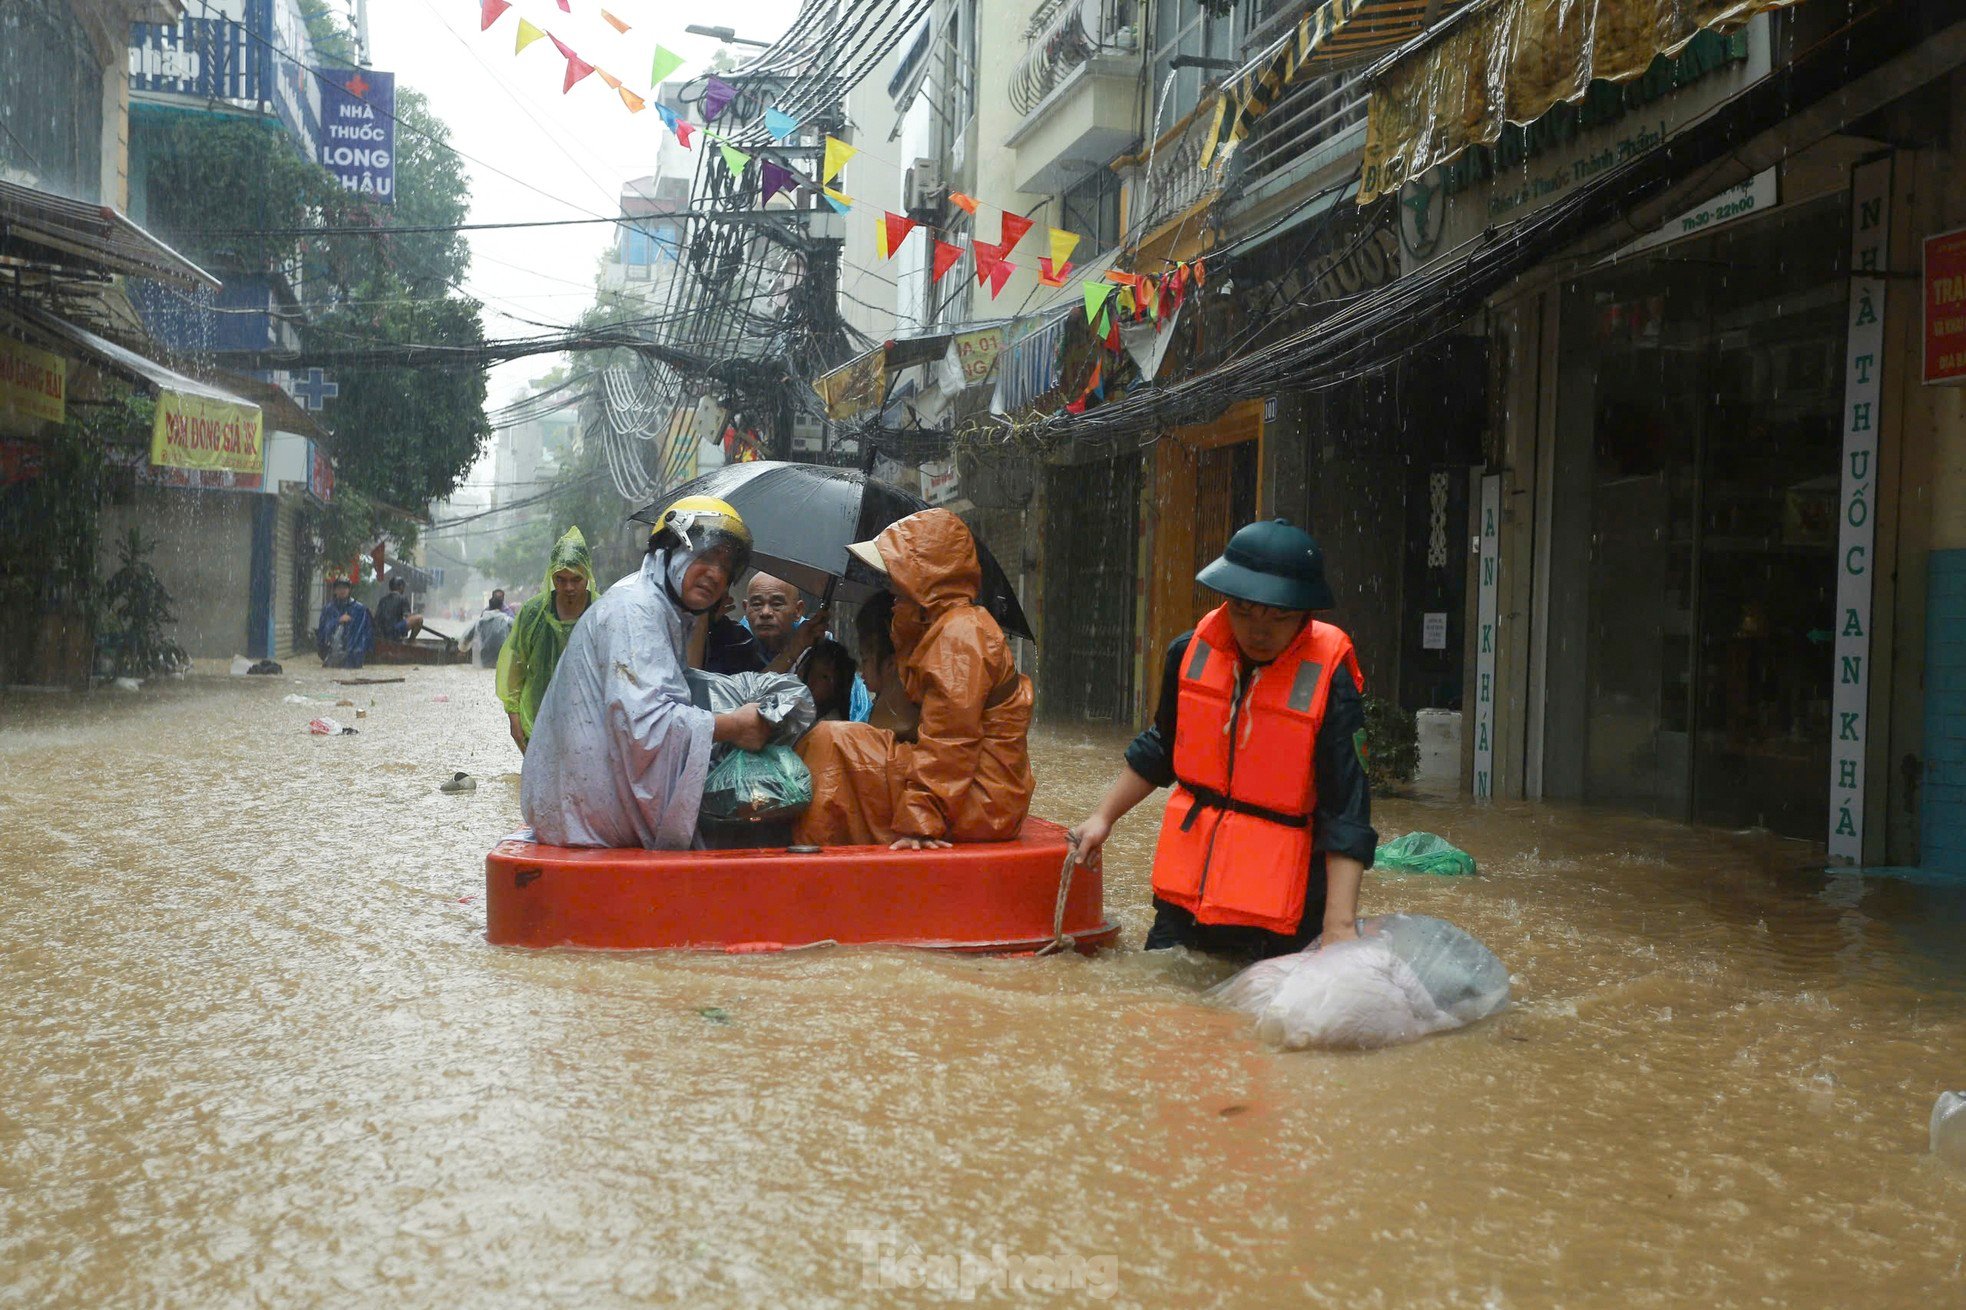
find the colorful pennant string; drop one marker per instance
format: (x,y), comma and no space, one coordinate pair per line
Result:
(614,22)
(1013,230)
(1051,274)
(1096,294)
(577,67)
(781,125)
(777,178)
(717,94)
(490,11)
(527,35)
(665,62)
(840,203)
(734,159)
(946,256)
(1062,245)
(838,153)
(965,203)
(894,229)
(634,102)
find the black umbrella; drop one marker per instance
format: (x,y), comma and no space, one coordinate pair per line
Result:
(803,517)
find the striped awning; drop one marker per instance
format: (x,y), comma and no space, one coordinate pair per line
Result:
(1329,35)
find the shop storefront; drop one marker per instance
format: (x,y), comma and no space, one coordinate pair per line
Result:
(1691,600)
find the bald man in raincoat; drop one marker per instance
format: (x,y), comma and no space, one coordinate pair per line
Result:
(967,775)
(539,635)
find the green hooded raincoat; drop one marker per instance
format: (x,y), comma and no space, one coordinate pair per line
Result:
(539,635)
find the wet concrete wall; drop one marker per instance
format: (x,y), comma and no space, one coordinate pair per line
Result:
(203,556)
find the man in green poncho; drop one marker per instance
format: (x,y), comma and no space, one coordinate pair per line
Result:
(539,634)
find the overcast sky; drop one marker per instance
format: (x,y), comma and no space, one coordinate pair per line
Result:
(566,156)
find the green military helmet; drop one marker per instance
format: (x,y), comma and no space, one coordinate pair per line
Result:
(1274,563)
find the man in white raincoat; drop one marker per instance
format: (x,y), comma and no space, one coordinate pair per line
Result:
(618,753)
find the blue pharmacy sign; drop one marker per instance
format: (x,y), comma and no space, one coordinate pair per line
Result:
(358,131)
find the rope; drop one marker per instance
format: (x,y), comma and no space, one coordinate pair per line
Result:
(1059,941)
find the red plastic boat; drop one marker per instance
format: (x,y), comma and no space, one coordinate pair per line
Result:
(985,897)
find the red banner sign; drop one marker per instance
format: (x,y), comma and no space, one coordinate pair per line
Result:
(1945,308)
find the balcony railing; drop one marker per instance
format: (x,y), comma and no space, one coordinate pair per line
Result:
(1171,179)
(1318,119)
(1065,34)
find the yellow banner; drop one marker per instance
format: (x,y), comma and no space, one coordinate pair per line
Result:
(855,387)
(1513,63)
(197,432)
(33,383)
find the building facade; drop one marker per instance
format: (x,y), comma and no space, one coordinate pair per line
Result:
(1613,421)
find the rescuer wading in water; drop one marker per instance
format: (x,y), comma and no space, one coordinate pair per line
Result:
(1259,730)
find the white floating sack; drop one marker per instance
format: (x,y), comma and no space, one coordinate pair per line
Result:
(1406,977)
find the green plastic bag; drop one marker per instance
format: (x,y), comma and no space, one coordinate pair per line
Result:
(768,786)
(1422,852)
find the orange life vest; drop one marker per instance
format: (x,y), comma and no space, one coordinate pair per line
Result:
(1235,847)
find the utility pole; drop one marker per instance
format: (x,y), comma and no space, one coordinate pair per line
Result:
(362,33)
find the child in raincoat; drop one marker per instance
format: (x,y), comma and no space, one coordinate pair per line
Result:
(967,775)
(539,635)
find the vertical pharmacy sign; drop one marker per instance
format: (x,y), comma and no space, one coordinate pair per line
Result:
(358,131)
(1870,189)
(1487,608)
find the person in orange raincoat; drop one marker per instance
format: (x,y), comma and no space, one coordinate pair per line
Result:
(967,775)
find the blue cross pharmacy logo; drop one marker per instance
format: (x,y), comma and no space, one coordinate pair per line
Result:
(313,390)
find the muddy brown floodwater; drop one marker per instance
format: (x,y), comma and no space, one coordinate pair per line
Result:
(257,1051)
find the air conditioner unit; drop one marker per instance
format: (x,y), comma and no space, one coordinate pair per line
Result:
(922,189)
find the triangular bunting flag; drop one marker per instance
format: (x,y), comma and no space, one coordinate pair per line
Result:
(527,35)
(1095,300)
(780,124)
(1126,304)
(577,67)
(965,203)
(1123,279)
(734,159)
(999,274)
(717,93)
(840,203)
(666,62)
(946,256)
(894,229)
(1013,230)
(683,129)
(614,83)
(1053,275)
(987,258)
(564,7)
(1062,245)
(634,102)
(837,153)
(614,22)
(776,178)
(490,11)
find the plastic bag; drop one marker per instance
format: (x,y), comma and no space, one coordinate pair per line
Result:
(1406,976)
(326,727)
(1949,1128)
(781,698)
(1422,852)
(752,787)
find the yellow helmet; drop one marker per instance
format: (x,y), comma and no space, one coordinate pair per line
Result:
(701,523)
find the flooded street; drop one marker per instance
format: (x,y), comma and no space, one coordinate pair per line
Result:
(259,1053)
